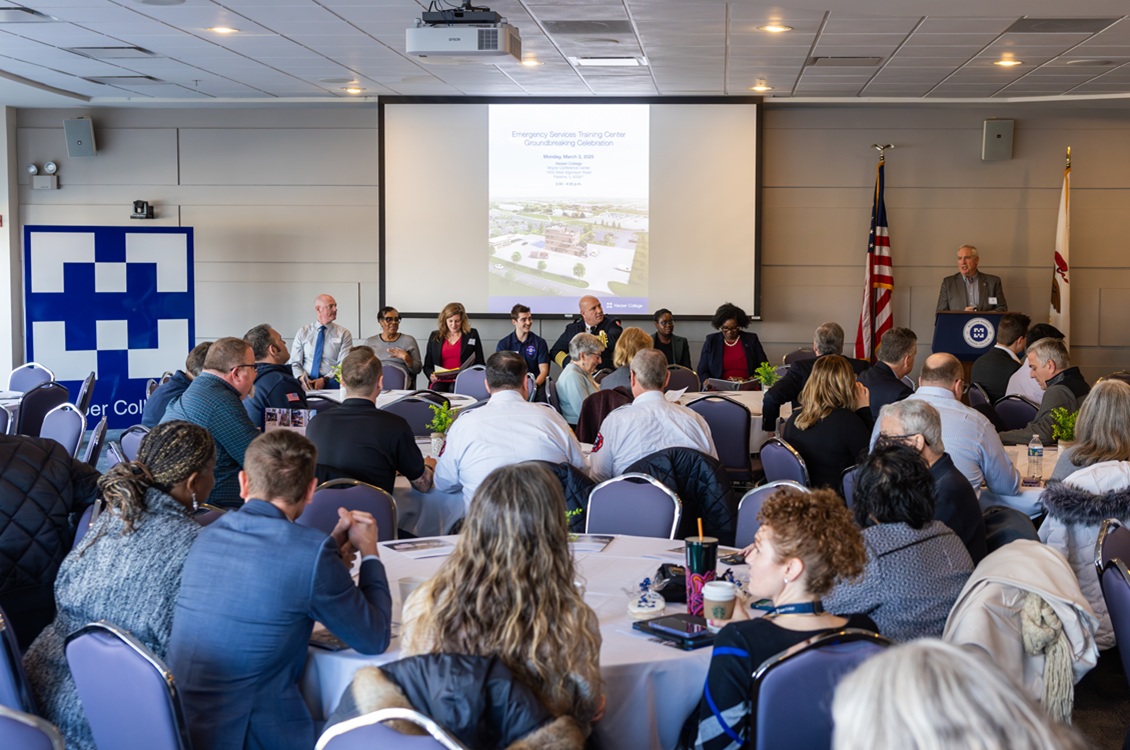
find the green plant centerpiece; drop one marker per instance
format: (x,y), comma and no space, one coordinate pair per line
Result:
(442,417)
(1063,424)
(335,373)
(766,374)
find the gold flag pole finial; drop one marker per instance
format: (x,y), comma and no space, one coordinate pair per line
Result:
(1068,165)
(881,148)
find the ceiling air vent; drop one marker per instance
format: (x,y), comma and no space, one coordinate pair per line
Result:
(111,53)
(844,62)
(125,80)
(1059,25)
(23,15)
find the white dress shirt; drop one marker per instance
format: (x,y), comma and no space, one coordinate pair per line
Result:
(1024,384)
(337,344)
(508,430)
(650,423)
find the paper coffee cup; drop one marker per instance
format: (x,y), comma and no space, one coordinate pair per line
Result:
(408,584)
(718,599)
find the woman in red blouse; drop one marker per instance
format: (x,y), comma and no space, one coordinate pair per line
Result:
(453,341)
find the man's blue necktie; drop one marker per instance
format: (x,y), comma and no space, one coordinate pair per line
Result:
(319,345)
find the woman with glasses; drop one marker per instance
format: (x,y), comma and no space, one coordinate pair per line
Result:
(453,341)
(675,348)
(733,353)
(395,347)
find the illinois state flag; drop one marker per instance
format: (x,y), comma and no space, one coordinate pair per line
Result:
(878,278)
(1060,312)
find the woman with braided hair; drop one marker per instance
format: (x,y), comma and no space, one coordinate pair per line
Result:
(127,568)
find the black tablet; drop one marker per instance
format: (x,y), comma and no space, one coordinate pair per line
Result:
(688,632)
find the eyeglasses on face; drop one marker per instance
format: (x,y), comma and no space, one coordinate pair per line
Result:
(252,366)
(666,322)
(730,329)
(391,319)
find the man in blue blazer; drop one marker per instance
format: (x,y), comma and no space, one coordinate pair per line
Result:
(253,585)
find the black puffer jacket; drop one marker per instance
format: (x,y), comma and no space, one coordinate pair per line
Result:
(42,489)
(576,485)
(703,487)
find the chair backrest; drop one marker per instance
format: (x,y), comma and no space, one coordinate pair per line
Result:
(805,352)
(847,481)
(66,425)
(1115,583)
(395,377)
(27,732)
(1113,543)
(150,386)
(682,377)
(128,694)
(416,411)
(750,505)
(26,377)
(551,394)
(633,504)
(531,386)
(729,423)
(86,393)
(792,691)
(317,403)
(130,441)
(600,375)
(117,455)
(35,405)
(350,494)
(14,691)
(368,731)
(472,382)
(1004,525)
(1015,411)
(94,446)
(86,520)
(977,395)
(210,515)
(6,421)
(987,411)
(781,461)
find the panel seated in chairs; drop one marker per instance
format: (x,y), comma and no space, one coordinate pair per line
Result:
(350,494)
(65,425)
(86,393)
(1112,543)
(1015,411)
(35,405)
(702,486)
(369,731)
(27,732)
(15,692)
(130,441)
(781,461)
(415,410)
(472,382)
(847,483)
(128,694)
(1115,582)
(792,691)
(316,402)
(977,395)
(26,377)
(750,506)
(395,377)
(729,427)
(679,377)
(805,352)
(1004,525)
(596,407)
(633,504)
(7,423)
(94,446)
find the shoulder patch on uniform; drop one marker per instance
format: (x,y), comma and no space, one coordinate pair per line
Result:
(598,442)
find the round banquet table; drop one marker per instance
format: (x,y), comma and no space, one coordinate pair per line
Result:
(1027,500)
(651,688)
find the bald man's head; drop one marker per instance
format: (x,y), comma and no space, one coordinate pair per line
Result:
(940,370)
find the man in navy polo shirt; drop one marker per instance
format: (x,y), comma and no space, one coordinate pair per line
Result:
(531,346)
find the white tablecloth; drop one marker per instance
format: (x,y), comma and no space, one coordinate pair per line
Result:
(651,688)
(458,400)
(752,401)
(1028,499)
(425,513)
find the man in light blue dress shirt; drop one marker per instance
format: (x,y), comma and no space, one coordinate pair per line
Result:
(319,346)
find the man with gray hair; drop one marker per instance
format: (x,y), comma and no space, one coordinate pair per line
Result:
(969,290)
(1063,385)
(828,339)
(650,423)
(575,382)
(897,351)
(916,424)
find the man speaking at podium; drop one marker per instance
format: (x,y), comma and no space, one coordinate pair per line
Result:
(969,290)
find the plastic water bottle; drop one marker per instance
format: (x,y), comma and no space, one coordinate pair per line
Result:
(1036,458)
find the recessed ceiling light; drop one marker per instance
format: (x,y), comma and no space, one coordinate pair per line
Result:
(761,86)
(353,90)
(1008,63)
(775,28)
(608,62)
(530,62)
(223,30)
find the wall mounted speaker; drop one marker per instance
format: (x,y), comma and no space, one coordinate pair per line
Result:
(996,140)
(80,136)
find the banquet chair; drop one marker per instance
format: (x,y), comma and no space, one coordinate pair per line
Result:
(601,374)
(472,382)
(1004,525)
(750,506)
(35,405)
(781,461)
(150,387)
(130,441)
(989,413)
(86,393)
(1113,543)
(368,731)
(805,352)
(977,395)
(1015,411)
(127,692)
(551,394)
(26,377)
(792,691)
(94,446)
(416,411)
(317,403)
(14,690)
(66,425)
(350,494)
(207,514)
(531,386)
(27,732)
(86,520)
(729,423)
(682,377)
(6,420)
(395,377)
(1115,583)
(633,504)
(117,455)
(847,482)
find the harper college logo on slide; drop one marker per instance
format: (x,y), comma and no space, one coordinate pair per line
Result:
(979,333)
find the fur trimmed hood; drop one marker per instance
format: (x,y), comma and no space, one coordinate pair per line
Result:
(1090,495)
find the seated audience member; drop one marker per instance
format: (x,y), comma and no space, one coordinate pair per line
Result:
(394,347)
(253,586)
(1022,383)
(528,344)
(44,492)
(916,424)
(1063,386)
(733,353)
(594,321)
(897,350)
(649,424)
(127,568)
(916,567)
(675,348)
(453,342)
(507,430)
(214,401)
(320,345)
(833,426)
(575,382)
(508,590)
(275,386)
(934,695)
(631,341)
(359,441)
(1102,429)
(828,339)
(805,543)
(993,368)
(970,438)
(172,388)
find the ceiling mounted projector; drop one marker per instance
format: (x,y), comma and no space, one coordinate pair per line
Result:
(473,34)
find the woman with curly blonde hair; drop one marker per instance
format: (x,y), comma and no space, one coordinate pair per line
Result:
(632,340)
(806,542)
(508,590)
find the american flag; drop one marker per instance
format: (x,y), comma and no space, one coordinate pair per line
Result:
(878,279)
